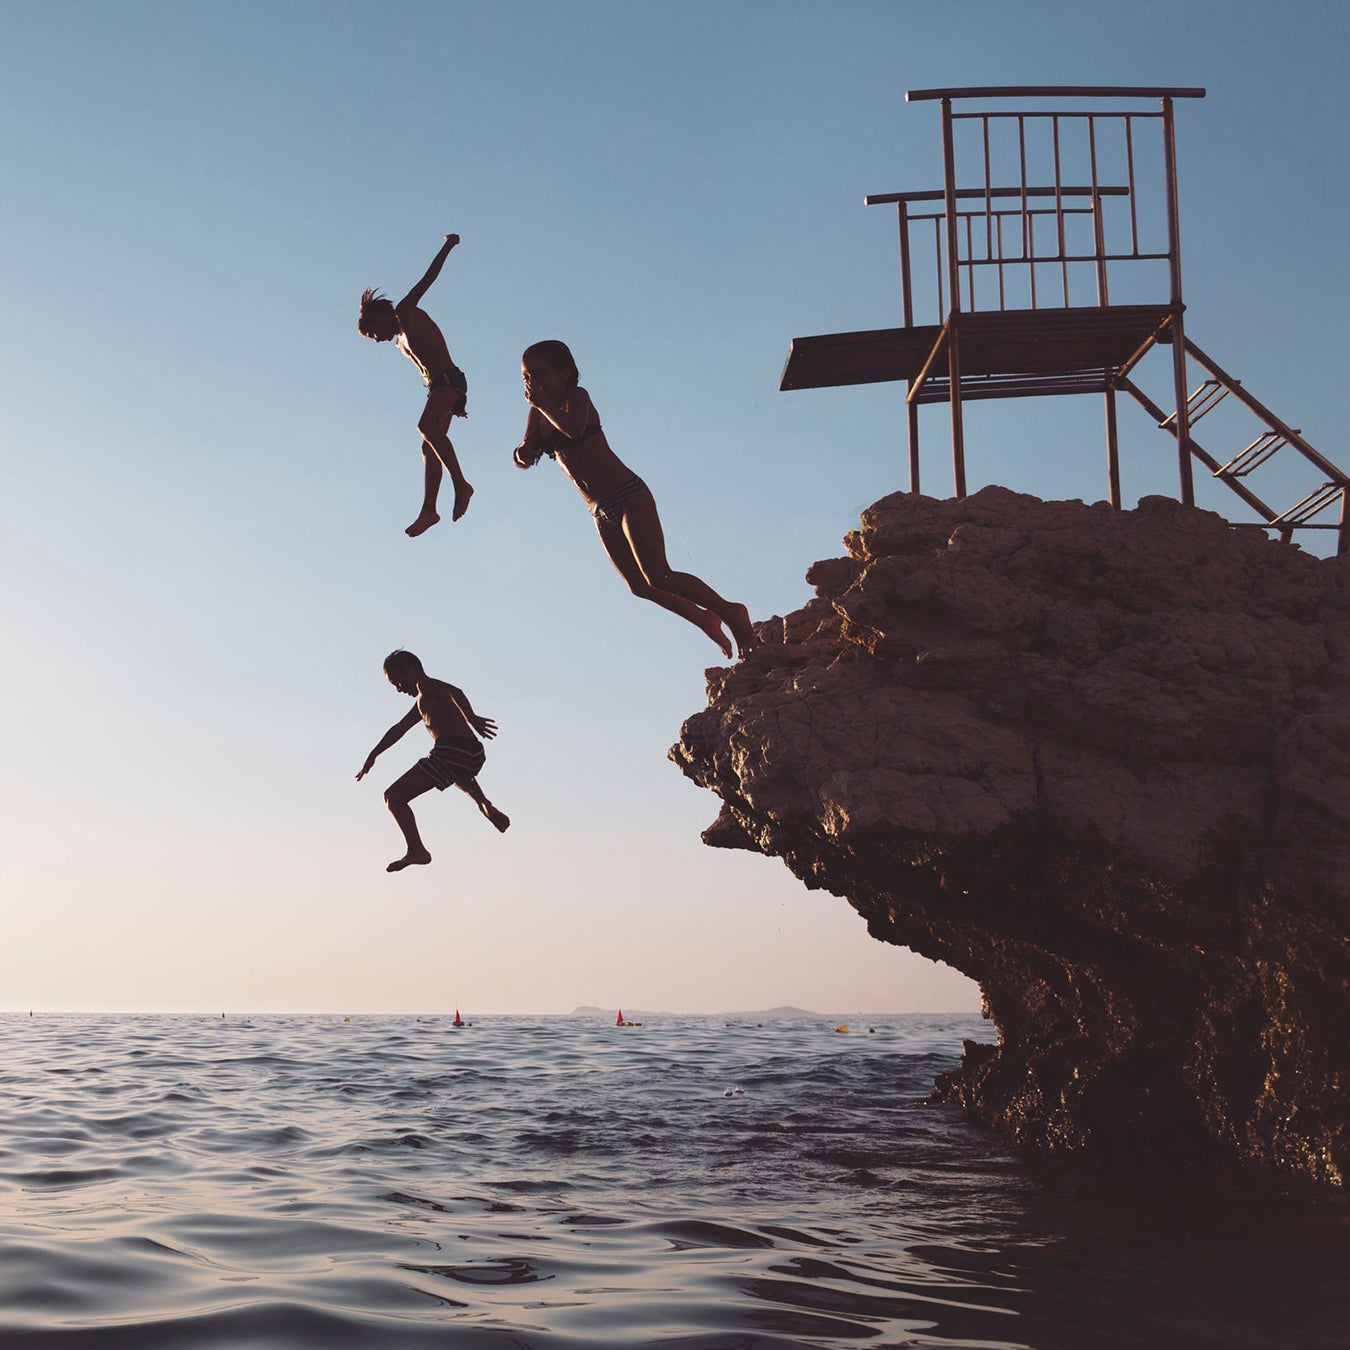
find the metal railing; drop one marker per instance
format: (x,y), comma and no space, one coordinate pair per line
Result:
(998,255)
(969,239)
(1053,166)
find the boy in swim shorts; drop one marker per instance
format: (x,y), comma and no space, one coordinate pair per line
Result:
(417,336)
(456,753)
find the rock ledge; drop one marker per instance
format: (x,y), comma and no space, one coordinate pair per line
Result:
(1100,762)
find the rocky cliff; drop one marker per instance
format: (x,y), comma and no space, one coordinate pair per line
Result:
(1100,762)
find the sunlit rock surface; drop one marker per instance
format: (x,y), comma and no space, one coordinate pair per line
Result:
(1100,762)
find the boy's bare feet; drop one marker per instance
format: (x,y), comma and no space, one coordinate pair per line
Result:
(423,523)
(462,495)
(743,629)
(499,818)
(412,858)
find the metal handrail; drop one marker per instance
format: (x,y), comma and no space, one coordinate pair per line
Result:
(1055,91)
(969,194)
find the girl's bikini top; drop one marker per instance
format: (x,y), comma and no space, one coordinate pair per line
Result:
(551,441)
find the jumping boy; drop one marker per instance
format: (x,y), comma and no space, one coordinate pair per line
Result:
(456,755)
(422,342)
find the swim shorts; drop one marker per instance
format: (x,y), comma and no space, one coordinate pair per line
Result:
(452,377)
(454,760)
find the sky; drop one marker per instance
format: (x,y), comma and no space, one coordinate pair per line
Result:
(205,471)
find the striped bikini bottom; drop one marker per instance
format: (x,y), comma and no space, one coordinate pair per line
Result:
(453,760)
(608,510)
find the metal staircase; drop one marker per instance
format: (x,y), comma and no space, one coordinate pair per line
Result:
(1333,490)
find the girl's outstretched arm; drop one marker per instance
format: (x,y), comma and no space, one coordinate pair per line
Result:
(414,296)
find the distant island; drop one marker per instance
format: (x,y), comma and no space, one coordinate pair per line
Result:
(588,1010)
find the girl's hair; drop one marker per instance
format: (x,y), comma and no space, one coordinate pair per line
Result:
(403,660)
(558,355)
(372,302)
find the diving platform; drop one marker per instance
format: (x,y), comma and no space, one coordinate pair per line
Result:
(1046,220)
(1003,355)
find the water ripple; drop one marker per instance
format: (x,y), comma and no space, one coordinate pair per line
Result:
(540,1184)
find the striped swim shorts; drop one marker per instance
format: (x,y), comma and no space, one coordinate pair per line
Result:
(608,510)
(453,760)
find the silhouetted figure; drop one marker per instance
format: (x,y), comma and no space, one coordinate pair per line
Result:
(563,423)
(422,342)
(456,756)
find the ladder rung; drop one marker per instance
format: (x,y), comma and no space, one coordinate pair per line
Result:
(1317,500)
(1256,454)
(1204,400)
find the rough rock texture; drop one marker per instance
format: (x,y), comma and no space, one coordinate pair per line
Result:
(1100,762)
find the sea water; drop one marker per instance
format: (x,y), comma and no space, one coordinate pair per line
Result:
(709,1183)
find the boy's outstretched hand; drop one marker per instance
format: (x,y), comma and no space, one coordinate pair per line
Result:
(365,769)
(452,239)
(484,726)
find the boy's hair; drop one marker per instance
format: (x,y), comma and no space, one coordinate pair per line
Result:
(559,356)
(403,660)
(372,302)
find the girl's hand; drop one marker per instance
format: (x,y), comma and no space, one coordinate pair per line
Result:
(526,456)
(365,769)
(452,239)
(541,401)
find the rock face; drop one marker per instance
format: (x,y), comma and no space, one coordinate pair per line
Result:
(1100,762)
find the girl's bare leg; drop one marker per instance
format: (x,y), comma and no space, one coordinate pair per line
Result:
(435,429)
(642,527)
(431,486)
(396,797)
(499,818)
(621,555)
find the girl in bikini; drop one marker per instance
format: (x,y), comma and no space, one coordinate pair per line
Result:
(563,424)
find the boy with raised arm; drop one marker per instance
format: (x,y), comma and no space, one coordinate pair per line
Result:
(416,335)
(456,754)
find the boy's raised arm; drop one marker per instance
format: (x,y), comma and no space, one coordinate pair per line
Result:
(414,296)
(484,726)
(399,729)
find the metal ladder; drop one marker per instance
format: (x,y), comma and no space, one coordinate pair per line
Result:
(1212,391)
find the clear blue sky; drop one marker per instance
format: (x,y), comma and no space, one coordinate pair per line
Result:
(205,471)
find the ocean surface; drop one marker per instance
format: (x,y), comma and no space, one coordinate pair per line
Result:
(693,1183)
